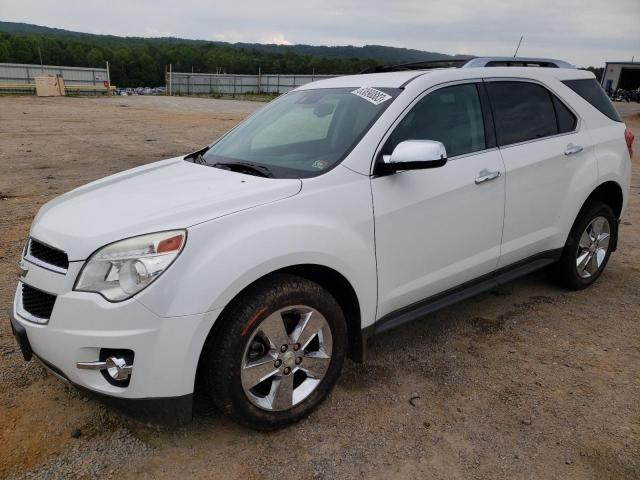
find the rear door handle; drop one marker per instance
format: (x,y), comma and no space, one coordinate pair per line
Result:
(486,175)
(571,149)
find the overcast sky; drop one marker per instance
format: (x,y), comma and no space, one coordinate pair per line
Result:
(584,32)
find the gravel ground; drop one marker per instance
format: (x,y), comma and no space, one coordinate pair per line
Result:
(526,381)
(98,458)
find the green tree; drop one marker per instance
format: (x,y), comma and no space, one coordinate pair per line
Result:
(142,62)
(21,50)
(4,51)
(95,58)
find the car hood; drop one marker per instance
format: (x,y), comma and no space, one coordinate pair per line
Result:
(164,195)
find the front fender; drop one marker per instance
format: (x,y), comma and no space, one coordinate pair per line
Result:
(222,257)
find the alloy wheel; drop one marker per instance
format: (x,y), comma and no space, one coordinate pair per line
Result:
(286,358)
(593,247)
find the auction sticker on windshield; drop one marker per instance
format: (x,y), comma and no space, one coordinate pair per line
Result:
(372,95)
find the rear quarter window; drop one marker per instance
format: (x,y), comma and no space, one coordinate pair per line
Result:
(593,93)
(566,119)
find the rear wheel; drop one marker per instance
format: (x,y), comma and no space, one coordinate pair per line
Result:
(588,247)
(278,352)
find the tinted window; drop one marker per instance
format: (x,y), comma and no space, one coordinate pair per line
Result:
(566,119)
(451,115)
(522,111)
(593,93)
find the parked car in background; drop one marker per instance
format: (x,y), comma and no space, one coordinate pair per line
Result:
(621,95)
(344,208)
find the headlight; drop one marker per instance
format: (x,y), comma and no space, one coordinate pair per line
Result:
(120,270)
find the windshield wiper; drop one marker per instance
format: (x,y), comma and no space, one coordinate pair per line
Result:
(245,167)
(197,156)
(199,159)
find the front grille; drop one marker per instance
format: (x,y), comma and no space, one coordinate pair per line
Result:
(36,302)
(48,254)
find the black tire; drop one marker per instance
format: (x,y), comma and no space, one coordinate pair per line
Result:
(225,348)
(565,271)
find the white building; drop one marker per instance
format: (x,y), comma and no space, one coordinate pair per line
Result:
(625,75)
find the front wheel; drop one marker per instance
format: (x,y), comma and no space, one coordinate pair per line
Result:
(277,353)
(588,247)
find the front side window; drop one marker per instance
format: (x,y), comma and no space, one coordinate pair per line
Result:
(302,133)
(451,115)
(522,111)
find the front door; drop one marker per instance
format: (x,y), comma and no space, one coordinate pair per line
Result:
(438,228)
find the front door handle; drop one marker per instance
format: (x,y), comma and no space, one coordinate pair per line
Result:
(486,175)
(572,148)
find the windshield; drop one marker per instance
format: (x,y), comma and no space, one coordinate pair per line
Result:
(302,134)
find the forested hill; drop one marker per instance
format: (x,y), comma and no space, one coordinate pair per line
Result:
(373,52)
(137,61)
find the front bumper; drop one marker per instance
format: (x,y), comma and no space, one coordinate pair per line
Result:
(166,410)
(166,349)
(20,334)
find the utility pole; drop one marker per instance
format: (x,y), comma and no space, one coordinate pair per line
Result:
(40,55)
(170,77)
(259,79)
(108,80)
(518,47)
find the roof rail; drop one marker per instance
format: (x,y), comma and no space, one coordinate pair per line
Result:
(516,62)
(423,65)
(471,62)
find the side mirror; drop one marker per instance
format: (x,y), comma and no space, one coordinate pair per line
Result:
(414,155)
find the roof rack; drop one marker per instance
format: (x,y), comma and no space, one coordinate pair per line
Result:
(423,65)
(472,62)
(516,62)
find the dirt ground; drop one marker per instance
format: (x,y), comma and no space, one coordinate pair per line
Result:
(527,381)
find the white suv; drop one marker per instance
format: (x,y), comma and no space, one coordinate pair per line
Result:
(344,208)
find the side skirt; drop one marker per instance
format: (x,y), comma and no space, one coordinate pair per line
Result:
(461,292)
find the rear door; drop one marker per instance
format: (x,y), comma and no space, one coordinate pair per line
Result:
(544,150)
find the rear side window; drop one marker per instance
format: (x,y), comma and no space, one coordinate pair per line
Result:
(593,93)
(522,111)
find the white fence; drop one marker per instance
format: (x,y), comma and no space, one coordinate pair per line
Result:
(17,73)
(223,84)
(20,78)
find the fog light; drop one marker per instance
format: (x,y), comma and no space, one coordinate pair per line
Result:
(116,367)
